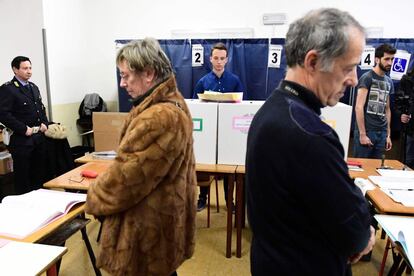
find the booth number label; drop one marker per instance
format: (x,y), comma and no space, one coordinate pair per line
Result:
(368,58)
(197,55)
(275,55)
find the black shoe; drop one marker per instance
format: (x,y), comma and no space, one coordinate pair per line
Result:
(201,204)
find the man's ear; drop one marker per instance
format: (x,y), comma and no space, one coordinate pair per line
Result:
(311,60)
(377,60)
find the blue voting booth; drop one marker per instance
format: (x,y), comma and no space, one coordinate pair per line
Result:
(250,59)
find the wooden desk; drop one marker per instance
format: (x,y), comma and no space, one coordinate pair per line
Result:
(100,165)
(50,229)
(90,158)
(69,180)
(383,203)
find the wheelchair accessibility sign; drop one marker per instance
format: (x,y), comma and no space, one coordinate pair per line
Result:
(400,64)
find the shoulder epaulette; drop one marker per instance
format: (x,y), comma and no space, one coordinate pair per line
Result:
(6,83)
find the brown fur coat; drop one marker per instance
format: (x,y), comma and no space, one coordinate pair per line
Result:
(148,196)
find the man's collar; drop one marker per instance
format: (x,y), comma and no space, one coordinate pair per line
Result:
(215,73)
(303,93)
(23,83)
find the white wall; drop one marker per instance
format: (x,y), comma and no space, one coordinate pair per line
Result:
(81,33)
(21,35)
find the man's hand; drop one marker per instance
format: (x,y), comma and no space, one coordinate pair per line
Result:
(405,118)
(29,131)
(43,127)
(371,242)
(388,144)
(365,141)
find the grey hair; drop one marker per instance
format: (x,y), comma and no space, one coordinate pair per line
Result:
(145,54)
(323,30)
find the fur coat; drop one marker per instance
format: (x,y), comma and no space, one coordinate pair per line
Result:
(148,196)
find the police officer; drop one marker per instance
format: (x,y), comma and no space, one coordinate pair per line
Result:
(22,111)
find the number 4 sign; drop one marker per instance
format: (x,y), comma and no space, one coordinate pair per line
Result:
(197,55)
(275,55)
(368,58)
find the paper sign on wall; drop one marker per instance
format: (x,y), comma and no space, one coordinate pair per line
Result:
(275,55)
(400,64)
(197,52)
(367,58)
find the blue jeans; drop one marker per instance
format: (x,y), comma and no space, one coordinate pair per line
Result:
(378,138)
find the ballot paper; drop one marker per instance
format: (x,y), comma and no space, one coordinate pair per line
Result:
(394,183)
(221,97)
(396,173)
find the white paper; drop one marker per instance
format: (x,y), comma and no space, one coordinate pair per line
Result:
(20,258)
(404,197)
(394,183)
(21,215)
(364,185)
(399,228)
(396,173)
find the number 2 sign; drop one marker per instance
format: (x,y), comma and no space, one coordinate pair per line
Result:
(197,55)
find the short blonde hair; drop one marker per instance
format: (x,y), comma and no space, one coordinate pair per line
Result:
(141,55)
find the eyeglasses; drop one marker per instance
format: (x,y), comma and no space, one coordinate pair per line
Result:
(76,178)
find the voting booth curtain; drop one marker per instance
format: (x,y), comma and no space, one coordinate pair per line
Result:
(259,62)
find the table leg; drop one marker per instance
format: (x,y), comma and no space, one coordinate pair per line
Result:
(229,214)
(52,271)
(384,257)
(239,212)
(90,251)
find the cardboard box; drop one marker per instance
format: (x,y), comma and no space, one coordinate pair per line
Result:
(204,116)
(339,118)
(233,126)
(107,128)
(6,163)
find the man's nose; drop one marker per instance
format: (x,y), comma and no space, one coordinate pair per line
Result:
(353,79)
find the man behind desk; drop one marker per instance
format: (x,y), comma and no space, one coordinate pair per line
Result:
(22,110)
(218,80)
(306,214)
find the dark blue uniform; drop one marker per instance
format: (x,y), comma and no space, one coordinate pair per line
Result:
(306,214)
(22,107)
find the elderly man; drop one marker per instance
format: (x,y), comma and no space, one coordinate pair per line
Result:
(306,214)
